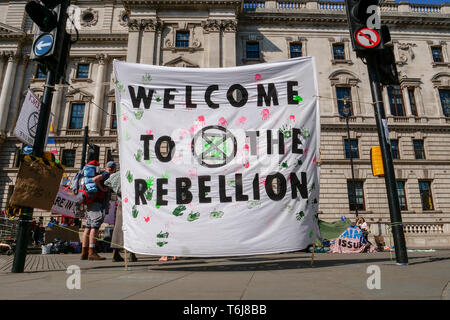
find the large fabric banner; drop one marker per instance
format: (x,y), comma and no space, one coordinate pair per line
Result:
(218,162)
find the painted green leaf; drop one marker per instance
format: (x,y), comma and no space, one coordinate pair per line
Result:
(161,243)
(129,176)
(178,211)
(135,212)
(149,195)
(216,214)
(193,216)
(162,235)
(139,155)
(138,114)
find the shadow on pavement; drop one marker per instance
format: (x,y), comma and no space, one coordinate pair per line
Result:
(256,263)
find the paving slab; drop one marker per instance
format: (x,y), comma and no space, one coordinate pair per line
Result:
(265,277)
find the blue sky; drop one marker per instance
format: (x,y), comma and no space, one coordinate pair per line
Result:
(425,1)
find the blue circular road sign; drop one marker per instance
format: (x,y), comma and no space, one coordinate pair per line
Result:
(43,44)
(27,149)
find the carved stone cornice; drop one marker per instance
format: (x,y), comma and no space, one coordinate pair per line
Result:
(211,26)
(102,58)
(229,25)
(134,25)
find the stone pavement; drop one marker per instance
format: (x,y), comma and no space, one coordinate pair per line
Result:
(286,276)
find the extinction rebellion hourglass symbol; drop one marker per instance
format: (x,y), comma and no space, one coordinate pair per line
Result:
(32,123)
(214,146)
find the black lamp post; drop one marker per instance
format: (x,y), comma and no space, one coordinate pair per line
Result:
(346,112)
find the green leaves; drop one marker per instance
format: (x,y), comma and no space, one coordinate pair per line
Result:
(161,243)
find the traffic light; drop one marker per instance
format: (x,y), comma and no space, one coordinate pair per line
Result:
(387,68)
(361,16)
(50,16)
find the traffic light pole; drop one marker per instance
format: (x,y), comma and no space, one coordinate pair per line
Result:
(38,151)
(389,173)
(85,143)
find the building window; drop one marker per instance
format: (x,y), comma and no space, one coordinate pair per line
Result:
(182,39)
(114,117)
(41,72)
(401,195)
(419,152)
(109,156)
(344,100)
(351,150)
(425,195)
(68,158)
(444,94)
(394,149)
(338,52)
(437,54)
(252,50)
(412,101)
(295,50)
(396,101)
(83,71)
(77,116)
(356,195)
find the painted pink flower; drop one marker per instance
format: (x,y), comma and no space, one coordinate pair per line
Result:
(125,200)
(258,77)
(223,122)
(201,118)
(292,117)
(125,118)
(265,114)
(241,120)
(149,132)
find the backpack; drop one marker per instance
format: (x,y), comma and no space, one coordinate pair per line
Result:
(83,184)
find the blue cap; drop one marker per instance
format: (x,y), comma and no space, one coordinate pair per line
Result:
(111,165)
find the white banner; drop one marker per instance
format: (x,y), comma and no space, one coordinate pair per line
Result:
(64,203)
(26,125)
(219,162)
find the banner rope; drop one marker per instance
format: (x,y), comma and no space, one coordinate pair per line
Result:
(77,232)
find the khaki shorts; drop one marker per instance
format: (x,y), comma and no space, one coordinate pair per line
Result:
(95,215)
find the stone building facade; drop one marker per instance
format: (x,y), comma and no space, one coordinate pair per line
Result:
(220,33)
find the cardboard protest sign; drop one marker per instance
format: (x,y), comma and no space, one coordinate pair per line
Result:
(64,203)
(218,162)
(37,183)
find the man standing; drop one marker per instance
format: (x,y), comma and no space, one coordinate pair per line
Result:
(95,214)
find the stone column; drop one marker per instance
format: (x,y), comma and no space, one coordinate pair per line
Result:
(407,105)
(2,67)
(158,43)
(134,37)
(19,93)
(212,28)
(148,41)
(57,106)
(95,122)
(5,97)
(229,43)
